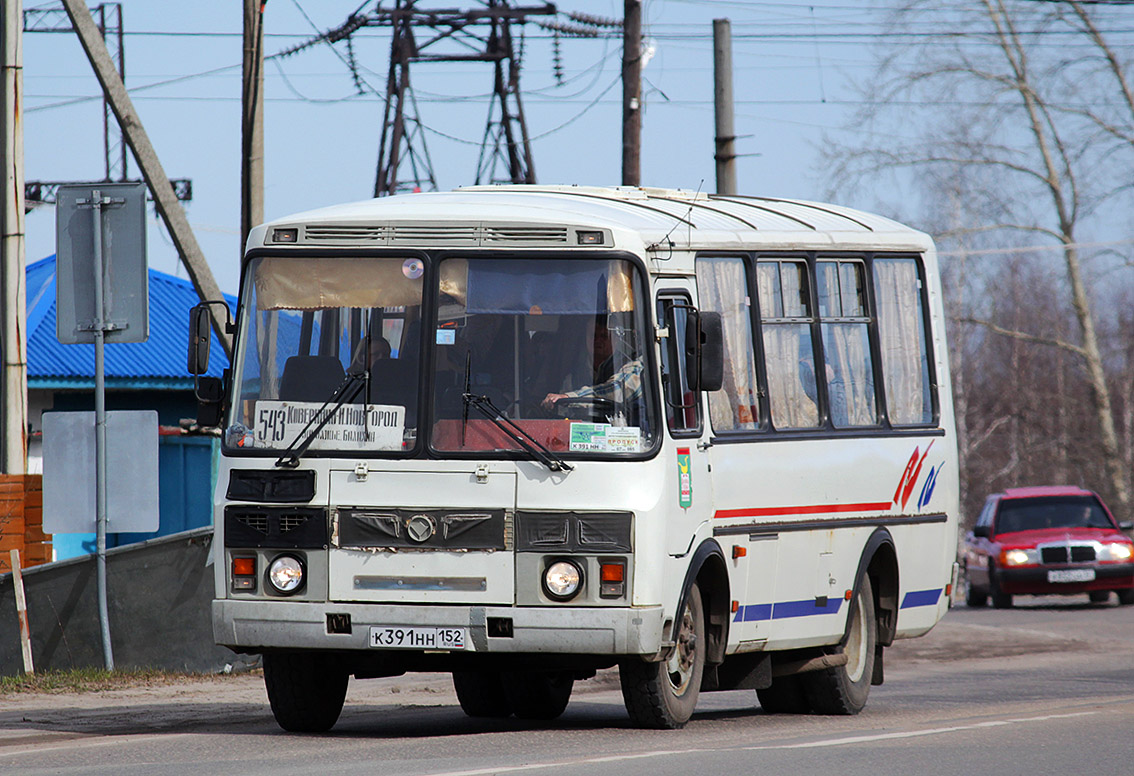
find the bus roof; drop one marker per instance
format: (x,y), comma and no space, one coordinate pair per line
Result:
(528,216)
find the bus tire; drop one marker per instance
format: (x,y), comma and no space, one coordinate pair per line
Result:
(481,694)
(844,689)
(1125,597)
(786,696)
(663,695)
(538,694)
(306,690)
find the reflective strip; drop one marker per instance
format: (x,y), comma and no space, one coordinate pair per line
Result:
(921,598)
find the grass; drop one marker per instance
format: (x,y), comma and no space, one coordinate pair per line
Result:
(88,680)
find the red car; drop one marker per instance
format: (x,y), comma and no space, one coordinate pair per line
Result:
(1047,541)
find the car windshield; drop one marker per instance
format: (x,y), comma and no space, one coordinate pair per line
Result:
(526,354)
(1031,514)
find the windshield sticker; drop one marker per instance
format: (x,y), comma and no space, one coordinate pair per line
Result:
(446,336)
(378,427)
(604,438)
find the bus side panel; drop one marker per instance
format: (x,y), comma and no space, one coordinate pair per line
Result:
(818,502)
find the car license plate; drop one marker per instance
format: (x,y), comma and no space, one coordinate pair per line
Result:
(396,637)
(1071,575)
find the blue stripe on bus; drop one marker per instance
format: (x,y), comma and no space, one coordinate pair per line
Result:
(753,612)
(805,608)
(786,609)
(921,598)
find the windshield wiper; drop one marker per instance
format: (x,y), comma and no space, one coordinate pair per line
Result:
(347,390)
(485,406)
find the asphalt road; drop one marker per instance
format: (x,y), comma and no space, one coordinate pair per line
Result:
(1044,688)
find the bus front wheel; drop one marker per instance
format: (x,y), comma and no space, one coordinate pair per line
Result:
(481,694)
(843,689)
(539,695)
(305,689)
(663,695)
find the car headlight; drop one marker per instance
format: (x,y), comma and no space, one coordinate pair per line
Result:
(562,580)
(286,574)
(1116,552)
(1019,557)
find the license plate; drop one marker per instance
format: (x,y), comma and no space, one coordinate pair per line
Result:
(395,637)
(1071,575)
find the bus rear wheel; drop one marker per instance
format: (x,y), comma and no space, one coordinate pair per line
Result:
(843,689)
(481,694)
(305,689)
(663,695)
(787,695)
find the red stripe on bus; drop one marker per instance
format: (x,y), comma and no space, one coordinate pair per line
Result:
(816,509)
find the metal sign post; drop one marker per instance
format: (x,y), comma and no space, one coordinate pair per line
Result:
(96,203)
(80,257)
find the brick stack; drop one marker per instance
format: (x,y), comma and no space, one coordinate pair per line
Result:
(21,521)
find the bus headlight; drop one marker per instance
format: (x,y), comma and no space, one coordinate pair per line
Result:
(286,574)
(562,580)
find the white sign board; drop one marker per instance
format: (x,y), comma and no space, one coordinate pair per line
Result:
(131,472)
(350,427)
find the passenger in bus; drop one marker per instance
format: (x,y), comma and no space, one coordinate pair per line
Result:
(370,350)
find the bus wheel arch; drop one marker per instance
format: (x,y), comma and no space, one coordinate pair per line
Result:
(879,562)
(664,694)
(710,572)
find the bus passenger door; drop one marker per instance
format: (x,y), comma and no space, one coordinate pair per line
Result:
(691,494)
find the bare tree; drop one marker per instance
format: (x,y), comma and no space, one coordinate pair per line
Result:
(987,96)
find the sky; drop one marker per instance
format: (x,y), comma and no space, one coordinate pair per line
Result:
(793,67)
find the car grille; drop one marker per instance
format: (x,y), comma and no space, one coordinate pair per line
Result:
(1068,553)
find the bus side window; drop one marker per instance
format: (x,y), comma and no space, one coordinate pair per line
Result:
(722,287)
(682,405)
(841,288)
(901,332)
(784,298)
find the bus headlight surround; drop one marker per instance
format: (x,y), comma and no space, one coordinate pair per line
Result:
(562,580)
(286,574)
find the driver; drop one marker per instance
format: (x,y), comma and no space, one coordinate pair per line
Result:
(622,387)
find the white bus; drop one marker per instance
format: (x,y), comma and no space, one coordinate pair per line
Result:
(521,434)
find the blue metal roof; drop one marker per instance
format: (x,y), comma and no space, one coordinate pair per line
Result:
(159,362)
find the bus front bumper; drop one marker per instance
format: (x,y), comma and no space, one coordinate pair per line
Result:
(250,626)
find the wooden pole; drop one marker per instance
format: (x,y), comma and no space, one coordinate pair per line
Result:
(161,189)
(632,93)
(252,126)
(13,336)
(726,132)
(22,612)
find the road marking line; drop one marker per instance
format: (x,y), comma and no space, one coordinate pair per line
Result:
(700,750)
(917,733)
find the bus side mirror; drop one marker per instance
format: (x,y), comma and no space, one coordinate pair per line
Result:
(199,339)
(982,532)
(704,342)
(210,400)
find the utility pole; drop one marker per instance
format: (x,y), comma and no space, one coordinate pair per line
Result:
(252,127)
(170,210)
(632,93)
(722,94)
(13,335)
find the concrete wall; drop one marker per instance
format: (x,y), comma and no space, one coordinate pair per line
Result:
(160,594)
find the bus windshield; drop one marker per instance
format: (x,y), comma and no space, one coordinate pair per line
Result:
(524,352)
